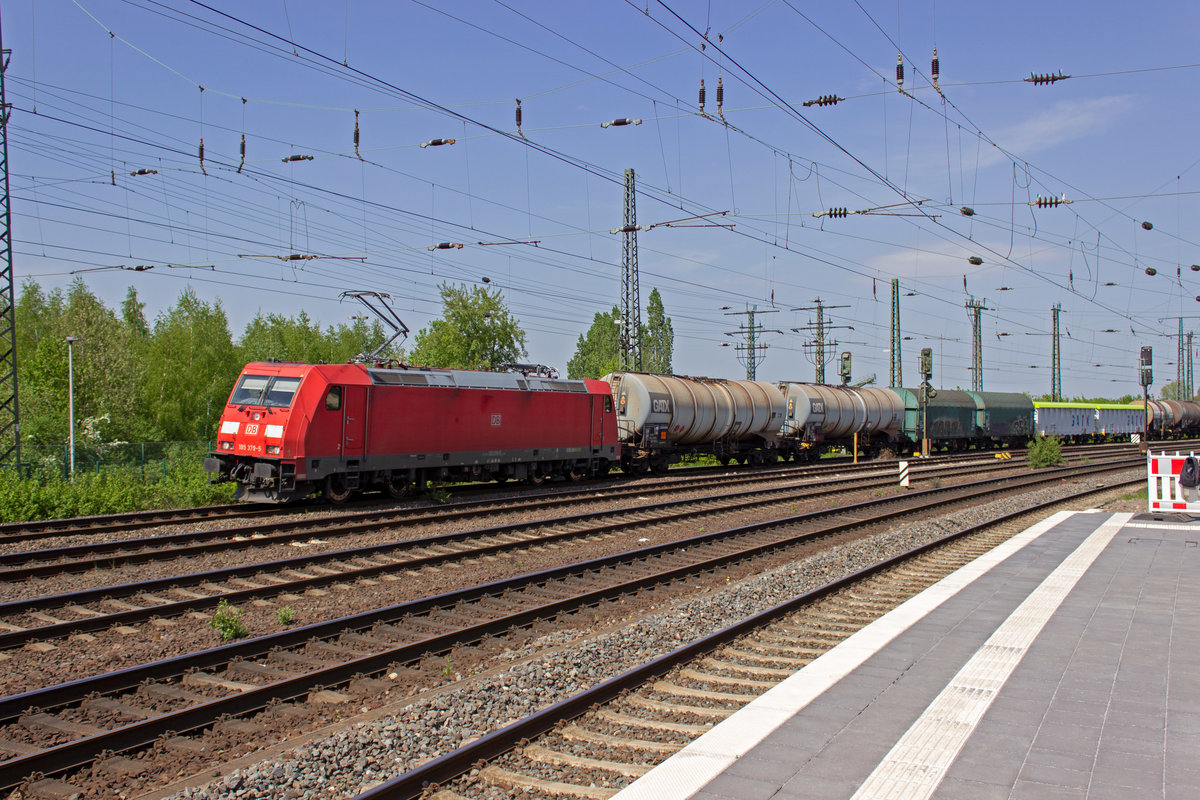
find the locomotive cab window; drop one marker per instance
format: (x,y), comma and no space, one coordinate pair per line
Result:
(333,400)
(264,390)
(249,390)
(607,404)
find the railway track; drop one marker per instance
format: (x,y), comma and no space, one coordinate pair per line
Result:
(87,610)
(13,533)
(19,565)
(602,739)
(61,727)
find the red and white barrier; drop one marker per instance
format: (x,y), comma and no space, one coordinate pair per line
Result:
(1163,489)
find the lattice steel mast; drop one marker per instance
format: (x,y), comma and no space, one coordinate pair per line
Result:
(974,308)
(819,346)
(1056,358)
(1180,365)
(631,301)
(751,352)
(10,418)
(897,377)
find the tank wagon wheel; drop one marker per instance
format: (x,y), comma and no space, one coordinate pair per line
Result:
(336,490)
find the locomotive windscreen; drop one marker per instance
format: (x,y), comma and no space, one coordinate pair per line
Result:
(265,390)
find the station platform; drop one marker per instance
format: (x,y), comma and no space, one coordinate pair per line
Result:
(1063,664)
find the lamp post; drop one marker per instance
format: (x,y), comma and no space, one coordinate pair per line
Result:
(71,340)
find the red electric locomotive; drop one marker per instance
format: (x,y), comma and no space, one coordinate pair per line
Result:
(292,429)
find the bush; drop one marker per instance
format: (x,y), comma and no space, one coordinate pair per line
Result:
(1045,451)
(47,495)
(227,621)
(286,615)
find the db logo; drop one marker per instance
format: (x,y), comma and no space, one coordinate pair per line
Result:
(495,420)
(251,429)
(660,406)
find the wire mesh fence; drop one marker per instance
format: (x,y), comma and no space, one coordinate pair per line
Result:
(147,461)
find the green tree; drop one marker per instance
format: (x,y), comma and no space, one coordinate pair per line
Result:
(107,369)
(191,368)
(476,331)
(599,352)
(1173,391)
(133,314)
(658,337)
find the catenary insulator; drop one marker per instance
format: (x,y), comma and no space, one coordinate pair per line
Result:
(438,142)
(617,123)
(144,171)
(519,117)
(900,72)
(297,157)
(967,211)
(360,158)
(1151,271)
(1149,226)
(1039,80)
(112,176)
(702,95)
(445,246)
(202,169)
(243,162)
(720,96)
(975,261)
(933,68)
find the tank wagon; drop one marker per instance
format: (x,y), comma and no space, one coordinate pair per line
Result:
(662,417)
(293,429)
(819,416)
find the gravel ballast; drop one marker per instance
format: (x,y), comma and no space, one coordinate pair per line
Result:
(369,752)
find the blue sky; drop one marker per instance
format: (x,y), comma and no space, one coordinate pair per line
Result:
(116,89)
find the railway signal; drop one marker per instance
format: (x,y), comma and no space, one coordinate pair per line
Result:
(927,393)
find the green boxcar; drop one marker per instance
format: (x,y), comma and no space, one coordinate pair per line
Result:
(1003,416)
(951,417)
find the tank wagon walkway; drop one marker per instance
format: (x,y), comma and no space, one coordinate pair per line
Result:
(1062,664)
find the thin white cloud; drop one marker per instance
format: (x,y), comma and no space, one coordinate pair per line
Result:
(1065,122)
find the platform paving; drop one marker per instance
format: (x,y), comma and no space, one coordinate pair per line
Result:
(1062,665)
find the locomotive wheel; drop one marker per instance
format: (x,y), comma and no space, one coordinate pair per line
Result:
(335,489)
(575,474)
(536,476)
(396,488)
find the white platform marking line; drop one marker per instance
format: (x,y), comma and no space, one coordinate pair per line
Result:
(919,760)
(686,772)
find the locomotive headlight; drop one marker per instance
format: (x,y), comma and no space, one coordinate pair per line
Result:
(272,449)
(226,445)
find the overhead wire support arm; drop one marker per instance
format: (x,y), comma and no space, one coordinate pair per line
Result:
(676,223)
(300,257)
